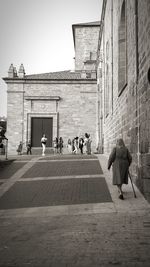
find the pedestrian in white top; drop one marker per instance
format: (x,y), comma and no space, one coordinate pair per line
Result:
(43,142)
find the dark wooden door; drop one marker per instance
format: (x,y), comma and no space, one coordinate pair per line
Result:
(40,126)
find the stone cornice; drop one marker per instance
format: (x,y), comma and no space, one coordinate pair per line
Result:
(48,81)
(56,98)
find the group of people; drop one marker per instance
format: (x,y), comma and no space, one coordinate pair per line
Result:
(2,138)
(28,148)
(58,145)
(74,146)
(78,144)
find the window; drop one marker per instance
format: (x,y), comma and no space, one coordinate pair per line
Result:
(107,50)
(122,53)
(148,75)
(107,81)
(88,75)
(107,94)
(93,55)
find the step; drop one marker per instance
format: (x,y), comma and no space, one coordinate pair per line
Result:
(38,151)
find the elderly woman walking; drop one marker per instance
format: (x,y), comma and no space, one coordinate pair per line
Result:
(120,159)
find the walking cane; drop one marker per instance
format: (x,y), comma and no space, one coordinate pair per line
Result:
(132,184)
(6,152)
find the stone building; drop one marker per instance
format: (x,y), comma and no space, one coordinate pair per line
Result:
(124,82)
(58,103)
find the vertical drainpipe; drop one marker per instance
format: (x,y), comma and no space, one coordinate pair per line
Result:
(101,108)
(23,113)
(100,104)
(136,81)
(104,77)
(27,127)
(98,116)
(57,119)
(100,113)
(112,66)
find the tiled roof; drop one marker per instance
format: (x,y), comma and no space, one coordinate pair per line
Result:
(60,75)
(94,23)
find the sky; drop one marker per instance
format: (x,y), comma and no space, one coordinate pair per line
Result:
(38,33)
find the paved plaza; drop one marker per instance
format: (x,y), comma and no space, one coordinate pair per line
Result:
(63,211)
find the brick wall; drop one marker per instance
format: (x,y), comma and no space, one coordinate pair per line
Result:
(129,117)
(144,95)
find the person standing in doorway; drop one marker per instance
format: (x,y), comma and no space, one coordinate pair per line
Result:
(76,145)
(120,159)
(81,143)
(19,149)
(72,145)
(87,143)
(55,145)
(69,146)
(60,145)
(29,147)
(43,142)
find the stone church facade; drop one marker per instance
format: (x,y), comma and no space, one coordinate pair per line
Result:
(124,82)
(57,103)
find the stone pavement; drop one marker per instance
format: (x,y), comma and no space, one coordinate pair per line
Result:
(61,211)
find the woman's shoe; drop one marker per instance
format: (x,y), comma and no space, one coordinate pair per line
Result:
(121,196)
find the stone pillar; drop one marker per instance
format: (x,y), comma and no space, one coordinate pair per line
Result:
(21,72)
(12,72)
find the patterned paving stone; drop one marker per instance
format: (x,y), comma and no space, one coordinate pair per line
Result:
(8,170)
(71,156)
(97,240)
(4,163)
(60,168)
(56,192)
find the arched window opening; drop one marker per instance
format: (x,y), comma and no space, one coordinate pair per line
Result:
(122,53)
(107,95)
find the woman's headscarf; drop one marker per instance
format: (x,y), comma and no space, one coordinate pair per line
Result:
(120,142)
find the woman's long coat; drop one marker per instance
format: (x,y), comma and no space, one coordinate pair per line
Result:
(120,159)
